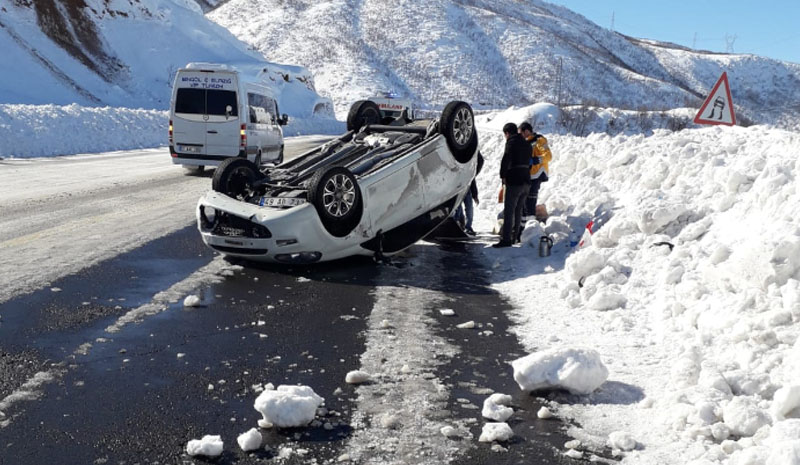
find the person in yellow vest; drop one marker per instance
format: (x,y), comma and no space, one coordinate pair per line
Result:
(540,163)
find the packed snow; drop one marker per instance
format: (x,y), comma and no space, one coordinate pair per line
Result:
(688,287)
(250,440)
(496,432)
(28,131)
(288,406)
(495,407)
(208,446)
(579,371)
(357,377)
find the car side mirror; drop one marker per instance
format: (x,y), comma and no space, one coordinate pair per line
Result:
(284,120)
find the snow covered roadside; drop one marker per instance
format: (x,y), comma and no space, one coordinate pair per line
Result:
(689,291)
(28,131)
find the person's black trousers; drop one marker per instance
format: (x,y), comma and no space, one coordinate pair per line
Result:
(512,210)
(533,197)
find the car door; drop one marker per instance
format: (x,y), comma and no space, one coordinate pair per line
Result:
(188,122)
(274,133)
(222,125)
(394,194)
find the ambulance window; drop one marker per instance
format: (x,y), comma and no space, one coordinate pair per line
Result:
(217,100)
(191,101)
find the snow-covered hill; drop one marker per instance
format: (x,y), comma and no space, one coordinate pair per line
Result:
(496,53)
(119,53)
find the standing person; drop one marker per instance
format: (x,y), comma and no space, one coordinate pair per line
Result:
(515,174)
(541,161)
(466,206)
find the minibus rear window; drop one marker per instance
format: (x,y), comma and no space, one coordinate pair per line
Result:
(206,102)
(217,100)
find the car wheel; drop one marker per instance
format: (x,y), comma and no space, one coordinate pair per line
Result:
(362,113)
(457,125)
(335,194)
(234,177)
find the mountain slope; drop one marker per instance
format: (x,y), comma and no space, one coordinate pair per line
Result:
(120,53)
(496,53)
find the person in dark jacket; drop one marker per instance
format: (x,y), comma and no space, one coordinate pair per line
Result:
(515,175)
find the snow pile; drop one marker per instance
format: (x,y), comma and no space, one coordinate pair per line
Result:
(288,406)
(496,432)
(621,440)
(495,407)
(46,130)
(51,130)
(209,446)
(251,440)
(580,371)
(689,291)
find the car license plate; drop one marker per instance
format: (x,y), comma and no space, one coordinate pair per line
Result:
(281,202)
(188,148)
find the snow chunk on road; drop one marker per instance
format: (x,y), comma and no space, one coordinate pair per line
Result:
(357,377)
(786,400)
(468,325)
(288,406)
(250,440)
(447,312)
(743,416)
(544,413)
(496,432)
(495,407)
(580,371)
(621,440)
(450,432)
(209,446)
(191,301)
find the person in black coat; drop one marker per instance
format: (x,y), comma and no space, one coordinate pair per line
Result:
(515,175)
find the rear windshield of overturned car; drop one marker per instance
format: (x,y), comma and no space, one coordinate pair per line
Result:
(206,102)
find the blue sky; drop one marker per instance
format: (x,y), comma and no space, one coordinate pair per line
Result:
(769,28)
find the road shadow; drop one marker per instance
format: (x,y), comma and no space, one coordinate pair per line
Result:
(610,393)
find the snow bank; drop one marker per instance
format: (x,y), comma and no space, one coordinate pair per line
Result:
(288,406)
(47,130)
(690,290)
(580,371)
(28,131)
(209,446)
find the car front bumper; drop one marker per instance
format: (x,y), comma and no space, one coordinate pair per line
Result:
(288,235)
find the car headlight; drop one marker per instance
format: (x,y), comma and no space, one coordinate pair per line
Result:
(208,216)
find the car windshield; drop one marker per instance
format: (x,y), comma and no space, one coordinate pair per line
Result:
(206,102)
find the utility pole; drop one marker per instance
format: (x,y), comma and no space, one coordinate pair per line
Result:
(612,21)
(729,40)
(560,73)
(694,41)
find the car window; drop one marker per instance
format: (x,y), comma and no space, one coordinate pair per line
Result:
(217,100)
(206,102)
(191,101)
(262,109)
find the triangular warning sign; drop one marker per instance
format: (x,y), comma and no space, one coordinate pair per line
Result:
(718,107)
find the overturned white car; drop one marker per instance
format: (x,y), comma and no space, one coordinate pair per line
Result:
(375,190)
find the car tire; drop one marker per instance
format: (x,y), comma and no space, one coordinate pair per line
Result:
(234,176)
(457,125)
(335,194)
(362,113)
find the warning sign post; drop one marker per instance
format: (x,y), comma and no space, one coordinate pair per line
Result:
(718,107)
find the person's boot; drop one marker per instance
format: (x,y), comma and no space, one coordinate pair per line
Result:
(501,244)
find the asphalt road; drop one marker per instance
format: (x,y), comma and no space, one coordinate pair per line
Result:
(82,384)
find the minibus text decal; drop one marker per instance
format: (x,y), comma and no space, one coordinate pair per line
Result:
(205,82)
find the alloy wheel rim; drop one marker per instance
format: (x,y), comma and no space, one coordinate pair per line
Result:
(463,126)
(339,195)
